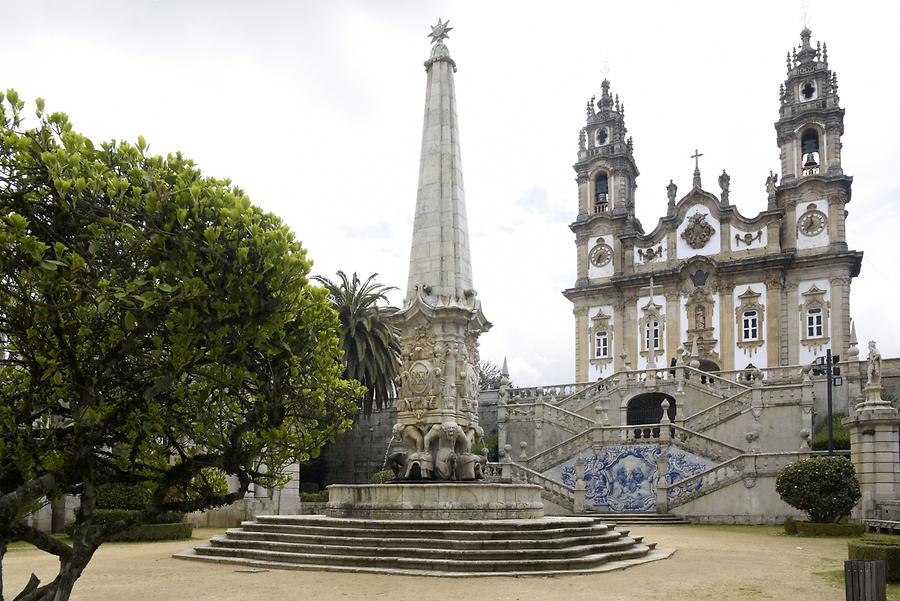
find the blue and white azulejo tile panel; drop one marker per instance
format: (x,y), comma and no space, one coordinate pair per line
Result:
(624,478)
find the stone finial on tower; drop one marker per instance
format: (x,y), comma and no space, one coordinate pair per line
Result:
(853,351)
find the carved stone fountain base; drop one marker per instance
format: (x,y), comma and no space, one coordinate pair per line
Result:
(435,501)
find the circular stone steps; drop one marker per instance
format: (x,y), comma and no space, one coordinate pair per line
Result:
(640,518)
(550,545)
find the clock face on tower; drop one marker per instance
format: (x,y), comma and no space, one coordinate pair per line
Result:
(812,223)
(601,254)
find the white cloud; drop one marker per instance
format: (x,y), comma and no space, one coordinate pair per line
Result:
(315,109)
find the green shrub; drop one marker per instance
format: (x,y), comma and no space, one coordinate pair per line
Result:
(382,477)
(314,497)
(829,529)
(790,526)
(878,548)
(840,435)
(825,488)
(167,525)
(152,532)
(122,496)
(491,443)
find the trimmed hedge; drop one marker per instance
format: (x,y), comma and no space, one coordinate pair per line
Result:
(314,497)
(840,434)
(154,532)
(168,525)
(822,529)
(886,550)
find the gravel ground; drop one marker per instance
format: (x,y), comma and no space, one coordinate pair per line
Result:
(719,563)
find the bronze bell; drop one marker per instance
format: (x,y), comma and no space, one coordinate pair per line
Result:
(811,161)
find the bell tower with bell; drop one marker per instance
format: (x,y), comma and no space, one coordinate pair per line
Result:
(606,169)
(809,130)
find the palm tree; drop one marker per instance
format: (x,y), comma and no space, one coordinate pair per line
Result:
(371,344)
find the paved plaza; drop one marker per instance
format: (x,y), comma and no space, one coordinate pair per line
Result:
(712,562)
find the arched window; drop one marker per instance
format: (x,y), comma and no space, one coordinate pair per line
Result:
(601,345)
(814,323)
(809,141)
(809,146)
(601,193)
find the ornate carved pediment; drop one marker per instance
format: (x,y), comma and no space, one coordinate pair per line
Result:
(698,232)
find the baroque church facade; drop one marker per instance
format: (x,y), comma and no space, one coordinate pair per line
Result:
(708,284)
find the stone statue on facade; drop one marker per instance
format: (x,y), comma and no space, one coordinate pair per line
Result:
(671,191)
(724,183)
(770,183)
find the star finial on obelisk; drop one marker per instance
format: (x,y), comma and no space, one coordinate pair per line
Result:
(439,31)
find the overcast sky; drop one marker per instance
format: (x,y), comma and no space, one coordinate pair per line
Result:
(315,108)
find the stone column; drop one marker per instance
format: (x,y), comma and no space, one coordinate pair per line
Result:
(619,335)
(791,320)
(773,322)
(662,461)
(840,315)
(673,325)
(585,206)
(874,442)
(582,344)
(579,485)
(58,515)
(630,333)
(726,325)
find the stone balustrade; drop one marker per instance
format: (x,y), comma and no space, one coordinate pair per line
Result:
(747,467)
(720,412)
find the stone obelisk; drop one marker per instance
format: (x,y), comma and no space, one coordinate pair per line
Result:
(441,319)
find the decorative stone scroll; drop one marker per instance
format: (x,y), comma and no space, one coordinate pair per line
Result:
(748,238)
(650,254)
(698,232)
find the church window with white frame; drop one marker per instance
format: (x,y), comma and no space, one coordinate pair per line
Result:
(814,323)
(601,345)
(750,326)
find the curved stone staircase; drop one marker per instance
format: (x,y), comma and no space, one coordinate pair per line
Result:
(550,545)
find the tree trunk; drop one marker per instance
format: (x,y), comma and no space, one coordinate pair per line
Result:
(2,555)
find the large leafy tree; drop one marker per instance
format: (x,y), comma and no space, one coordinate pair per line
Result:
(156,329)
(371,344)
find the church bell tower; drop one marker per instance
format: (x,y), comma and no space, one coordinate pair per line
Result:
(809,130)
(606,170)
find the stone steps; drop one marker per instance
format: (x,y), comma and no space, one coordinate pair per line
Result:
(594,535)
(447,548)
(640,518)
